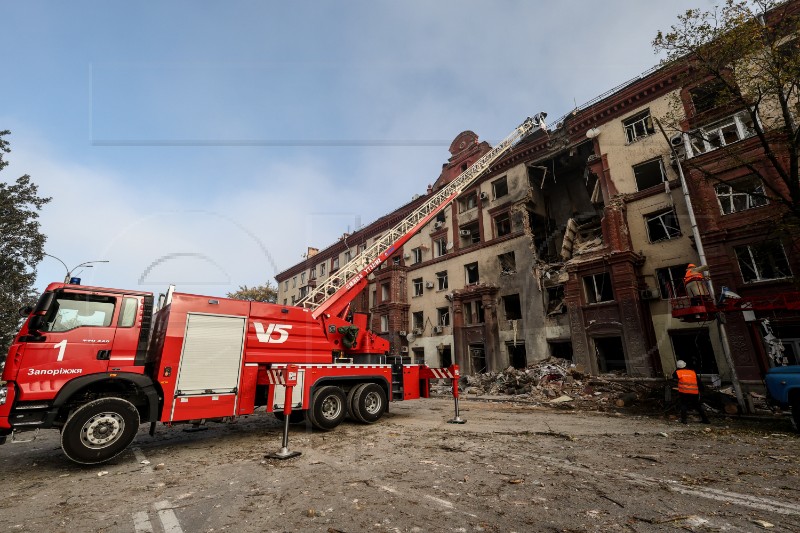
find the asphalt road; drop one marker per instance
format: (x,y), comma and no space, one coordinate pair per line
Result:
(509,468)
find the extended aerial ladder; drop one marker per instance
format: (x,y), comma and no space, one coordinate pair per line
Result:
(333,296)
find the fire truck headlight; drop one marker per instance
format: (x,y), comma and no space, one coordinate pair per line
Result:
(3,394)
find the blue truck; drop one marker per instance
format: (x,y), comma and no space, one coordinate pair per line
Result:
(783,388)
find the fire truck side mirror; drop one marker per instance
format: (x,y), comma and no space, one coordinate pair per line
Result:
(25,311)
(42,307)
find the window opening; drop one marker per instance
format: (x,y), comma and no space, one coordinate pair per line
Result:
(638,126)
(502,224)
(441,280)
(763,261)
(443,316)
(670,281)
(472,275)
(649,174)
(555,300)
(500,187)
(512,307)
(740,195)
(508,263)
(470,233)
(441,246)
(418,321)
(417,286)
(663,226)
(598,288)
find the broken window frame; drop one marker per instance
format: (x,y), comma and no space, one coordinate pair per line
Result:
(556,303)
(473,313)
(712,137)
(598,288)
(756,260)
(502,224)
(748,191)
(474,236)
(666,220)
(441,280)
(641,184)
(442,316)
(418,320)
(638,126)
(670,281)
(500,187)
(468,202)
(471,268)
(508,263)
(441,246)
(384,319)
(418,286)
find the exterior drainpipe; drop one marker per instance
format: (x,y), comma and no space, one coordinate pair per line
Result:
(723,334)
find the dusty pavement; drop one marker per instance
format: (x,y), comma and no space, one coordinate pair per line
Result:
(509,468)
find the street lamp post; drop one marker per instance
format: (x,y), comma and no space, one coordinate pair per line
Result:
(85,264)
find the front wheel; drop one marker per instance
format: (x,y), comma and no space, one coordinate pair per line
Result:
(99,430)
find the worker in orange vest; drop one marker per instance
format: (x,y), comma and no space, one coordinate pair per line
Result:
(689,387)
(694,281)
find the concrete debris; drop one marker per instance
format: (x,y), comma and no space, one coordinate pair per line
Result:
(560,383)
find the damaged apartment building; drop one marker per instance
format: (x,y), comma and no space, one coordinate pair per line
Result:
(569,246)
(566,247)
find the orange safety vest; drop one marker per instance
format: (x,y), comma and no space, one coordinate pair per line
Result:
(687,381)
(691,275)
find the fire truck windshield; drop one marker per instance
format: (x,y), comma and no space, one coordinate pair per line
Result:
(73,310)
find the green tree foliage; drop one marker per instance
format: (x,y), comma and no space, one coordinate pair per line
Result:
(262,293)
(749,53)
(21,247)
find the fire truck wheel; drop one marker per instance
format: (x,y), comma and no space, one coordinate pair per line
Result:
(369,403)
(99,430)
(327,408)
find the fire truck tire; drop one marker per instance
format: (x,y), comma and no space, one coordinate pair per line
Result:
(369,403)
(327,408)
(99,430)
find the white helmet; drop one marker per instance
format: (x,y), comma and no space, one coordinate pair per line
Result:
(681,363)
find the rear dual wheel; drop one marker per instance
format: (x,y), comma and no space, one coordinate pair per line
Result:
(328,408)
(367,402)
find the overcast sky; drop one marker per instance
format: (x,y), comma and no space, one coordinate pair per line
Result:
(208,144)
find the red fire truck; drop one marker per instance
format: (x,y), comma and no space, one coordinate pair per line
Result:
(96,362)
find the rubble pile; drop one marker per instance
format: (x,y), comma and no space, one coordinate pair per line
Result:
(560,383)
